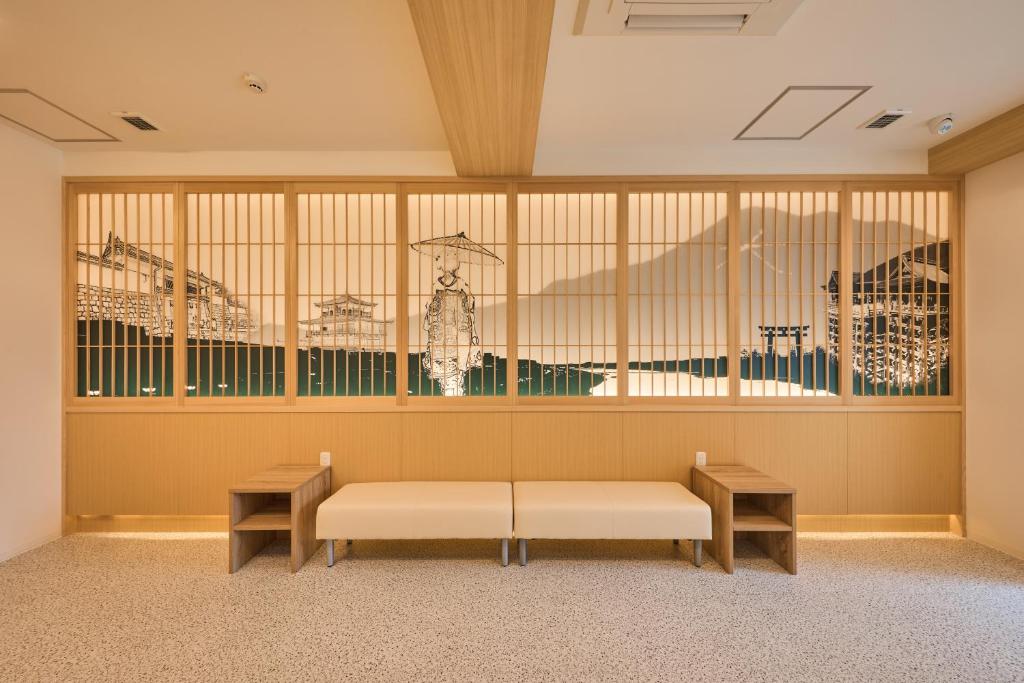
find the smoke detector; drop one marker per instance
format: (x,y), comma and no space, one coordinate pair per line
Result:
(886,118)
(255,83)
(941,125)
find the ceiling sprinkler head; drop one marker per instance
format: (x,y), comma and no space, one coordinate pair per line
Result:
(255,83)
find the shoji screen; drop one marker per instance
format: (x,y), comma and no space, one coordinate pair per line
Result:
(901,294)
(347,289)
(124,293)
(235,294)
(457,294)
(789,258)
(678,294)
(566,299)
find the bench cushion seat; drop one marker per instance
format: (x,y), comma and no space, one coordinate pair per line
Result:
(609,509)
(417,509)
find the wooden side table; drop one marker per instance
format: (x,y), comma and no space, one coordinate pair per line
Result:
(283,498)
(744,500)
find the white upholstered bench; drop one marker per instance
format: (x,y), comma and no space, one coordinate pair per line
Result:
(417,510)
(609,510)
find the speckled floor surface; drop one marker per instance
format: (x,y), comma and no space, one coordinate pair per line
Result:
(135,607)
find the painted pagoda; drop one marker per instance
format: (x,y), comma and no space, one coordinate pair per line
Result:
(345,323)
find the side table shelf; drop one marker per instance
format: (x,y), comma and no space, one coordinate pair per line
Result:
(748,502)
(283,498)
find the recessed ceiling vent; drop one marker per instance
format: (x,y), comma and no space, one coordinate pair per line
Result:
(683,17)
(884,119)
(135,119)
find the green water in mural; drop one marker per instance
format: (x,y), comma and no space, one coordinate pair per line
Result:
(936,386)
(552,379)
(224,369)
(815,371)
(698,367)
(346,373)
(490,379)
(144,369)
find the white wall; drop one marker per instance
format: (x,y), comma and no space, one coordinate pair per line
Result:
(30,279)
(995,366)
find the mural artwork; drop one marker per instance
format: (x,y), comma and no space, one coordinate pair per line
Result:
(453,346)
(789,318)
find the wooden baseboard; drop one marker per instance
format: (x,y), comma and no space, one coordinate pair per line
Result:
(94,523)
(908,523)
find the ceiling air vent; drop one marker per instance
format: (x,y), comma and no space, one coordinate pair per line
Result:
(135,119)
(884,119)
(683,17)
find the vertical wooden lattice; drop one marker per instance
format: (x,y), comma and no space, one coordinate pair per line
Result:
(678,294)
(347,289)
(789,261)
(235,294)
(124,294)
(901,294)
(566,317)
(457,294)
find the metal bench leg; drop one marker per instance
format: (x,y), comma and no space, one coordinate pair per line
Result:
(697,552)
(330,552)
(522,552)
(504,552)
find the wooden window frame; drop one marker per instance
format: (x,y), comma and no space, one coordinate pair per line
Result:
(68,314)
(731,343)
(446,187)
(290,290)
(736,264)
(956,312)
(341,403)
(542,187)
(402,187)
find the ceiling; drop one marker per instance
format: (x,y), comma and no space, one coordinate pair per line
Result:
(348,75)
(341,75)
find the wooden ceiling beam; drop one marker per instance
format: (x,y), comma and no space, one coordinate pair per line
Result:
(486,60)
(996,139)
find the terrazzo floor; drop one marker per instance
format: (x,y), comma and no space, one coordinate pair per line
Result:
(864,607)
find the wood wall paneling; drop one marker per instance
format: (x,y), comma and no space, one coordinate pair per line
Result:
(663,446)
(363,446)
(904,463)
(561,446)
(805,450)
(210,452)
(456,446)
(854,463)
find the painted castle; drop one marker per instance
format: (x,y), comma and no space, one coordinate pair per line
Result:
(126,284)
